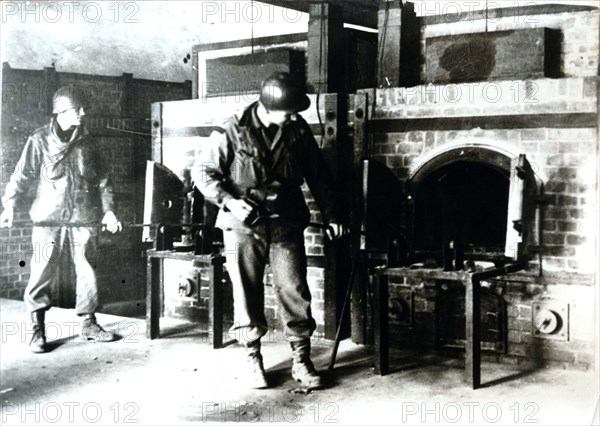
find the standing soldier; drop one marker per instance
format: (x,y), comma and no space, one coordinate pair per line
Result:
(253,168)
(60,165)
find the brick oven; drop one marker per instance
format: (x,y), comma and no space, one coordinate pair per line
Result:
(507,96)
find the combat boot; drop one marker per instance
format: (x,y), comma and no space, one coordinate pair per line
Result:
(256,371)
(37,344)
(92,332)
(303,370)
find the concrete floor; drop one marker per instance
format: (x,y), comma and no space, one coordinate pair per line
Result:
(180,379)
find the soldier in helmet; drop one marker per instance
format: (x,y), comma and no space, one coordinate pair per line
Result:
(252,169)
(61,167)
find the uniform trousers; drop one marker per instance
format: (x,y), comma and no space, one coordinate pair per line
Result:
(61,254)
(247,253)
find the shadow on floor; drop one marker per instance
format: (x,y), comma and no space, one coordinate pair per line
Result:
(509,378)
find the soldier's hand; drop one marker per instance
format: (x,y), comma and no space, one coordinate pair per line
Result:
(239,208)
(335,230)
(6,217)
(111,223)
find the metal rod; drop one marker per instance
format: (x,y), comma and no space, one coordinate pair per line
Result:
(346,303)
(49,224)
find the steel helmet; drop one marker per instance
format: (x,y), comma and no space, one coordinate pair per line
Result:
(68,97)
(282,91)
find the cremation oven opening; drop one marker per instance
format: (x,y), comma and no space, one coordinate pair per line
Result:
(462,202)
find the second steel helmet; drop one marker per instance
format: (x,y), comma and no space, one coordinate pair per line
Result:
(282,91)
(68,97)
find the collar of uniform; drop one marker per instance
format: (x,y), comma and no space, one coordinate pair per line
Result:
(250,117)
(254,120)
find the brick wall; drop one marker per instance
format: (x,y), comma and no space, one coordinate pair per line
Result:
(413,125)
(120,121)
(579,29)
(564,159)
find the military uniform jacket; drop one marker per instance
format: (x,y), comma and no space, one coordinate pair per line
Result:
(241,161)
(67,178)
